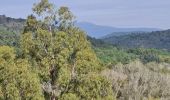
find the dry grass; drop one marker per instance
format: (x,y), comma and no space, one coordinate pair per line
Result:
(136,81)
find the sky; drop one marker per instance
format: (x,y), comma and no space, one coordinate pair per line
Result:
(116,13)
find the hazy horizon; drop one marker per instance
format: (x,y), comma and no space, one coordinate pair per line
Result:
(115,13)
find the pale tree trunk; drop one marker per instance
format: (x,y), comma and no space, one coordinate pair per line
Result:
(53,98)
(53,95)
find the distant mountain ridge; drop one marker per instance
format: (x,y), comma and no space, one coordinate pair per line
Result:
(99,31)
(5,19)
(12,24)
(122,34)
(157,39)
(10,28)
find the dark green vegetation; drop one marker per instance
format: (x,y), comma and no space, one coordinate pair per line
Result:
(157,39)
(8,37)
(10,29)
(113,55)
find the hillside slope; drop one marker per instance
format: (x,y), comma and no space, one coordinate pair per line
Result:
(157,39)
(12,24)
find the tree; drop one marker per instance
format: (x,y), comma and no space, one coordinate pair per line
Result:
(61,55)
(1,93)
(17,81)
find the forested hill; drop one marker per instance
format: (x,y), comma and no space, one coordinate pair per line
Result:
(10,28)
(4,19)
(12,24)
(157,39)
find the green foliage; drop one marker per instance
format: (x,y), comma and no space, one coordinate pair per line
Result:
(55,61)
(113,56)
(7,53)
(11,24)
(156,39)
(41,7)
(94,87)
(8,37)
(98,43)
(69,96)
(10,29)
(65,18)
(61,56)
(151,55)
(17,80)
(1,93)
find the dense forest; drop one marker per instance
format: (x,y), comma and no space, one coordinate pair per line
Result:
(157,39)
(47,57)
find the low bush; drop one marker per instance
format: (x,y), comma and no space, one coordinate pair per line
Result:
(136,81)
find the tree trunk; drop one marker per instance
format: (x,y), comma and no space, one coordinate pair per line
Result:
(52,97)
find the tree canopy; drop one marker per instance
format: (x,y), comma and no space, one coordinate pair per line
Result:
(56,60)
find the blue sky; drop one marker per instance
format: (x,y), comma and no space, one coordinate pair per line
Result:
(116,13)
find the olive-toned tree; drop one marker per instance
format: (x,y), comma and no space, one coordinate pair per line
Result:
(17,81)
(61,55)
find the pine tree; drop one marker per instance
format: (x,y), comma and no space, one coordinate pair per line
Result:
(61,55)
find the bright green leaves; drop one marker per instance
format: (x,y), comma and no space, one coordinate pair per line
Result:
(69,96)
(94,86)
(64,77)
(6,53)
(29,81)
(27,42)
(86,62)
(83,57)
(17,79)
(11,92)
(43,36)
(43,42)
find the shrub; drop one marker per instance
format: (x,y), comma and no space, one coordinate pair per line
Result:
(136,81)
